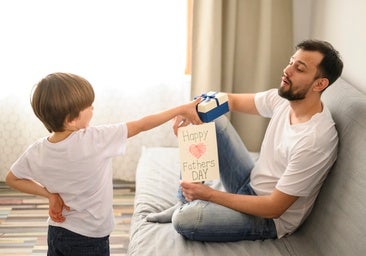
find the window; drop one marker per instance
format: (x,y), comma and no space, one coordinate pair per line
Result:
(112,43)
(132,52)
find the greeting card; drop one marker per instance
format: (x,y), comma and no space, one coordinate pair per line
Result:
(198,152)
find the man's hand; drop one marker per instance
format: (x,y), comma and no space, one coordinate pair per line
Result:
(56,205)
(194,191)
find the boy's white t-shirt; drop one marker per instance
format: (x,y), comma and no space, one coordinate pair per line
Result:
(79,168)
(294,159)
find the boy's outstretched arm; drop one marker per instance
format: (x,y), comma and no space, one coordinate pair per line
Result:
(188,111)
(56,204)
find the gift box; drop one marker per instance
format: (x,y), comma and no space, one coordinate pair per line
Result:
(213,105)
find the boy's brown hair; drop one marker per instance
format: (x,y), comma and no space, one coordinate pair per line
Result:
(60,97)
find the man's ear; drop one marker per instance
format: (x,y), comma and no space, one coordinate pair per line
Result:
(321,84)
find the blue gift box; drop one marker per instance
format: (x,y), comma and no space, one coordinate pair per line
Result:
(213,105)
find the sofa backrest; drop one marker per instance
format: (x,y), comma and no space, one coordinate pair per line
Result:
(337,224)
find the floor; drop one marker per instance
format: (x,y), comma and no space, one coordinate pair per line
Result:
(23,226)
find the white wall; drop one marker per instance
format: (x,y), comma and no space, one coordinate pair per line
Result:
(342,23)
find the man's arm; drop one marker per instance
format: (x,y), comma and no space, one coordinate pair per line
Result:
(237,103)
(270,206)
(242,102)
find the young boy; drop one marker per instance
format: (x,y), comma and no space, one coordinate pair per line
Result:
(72,167)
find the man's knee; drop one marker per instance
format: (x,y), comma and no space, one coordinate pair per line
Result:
(188,216)
(221,123)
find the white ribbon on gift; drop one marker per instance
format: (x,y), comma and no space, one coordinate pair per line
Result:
(211,100)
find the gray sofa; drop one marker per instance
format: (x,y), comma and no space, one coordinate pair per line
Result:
(336,226)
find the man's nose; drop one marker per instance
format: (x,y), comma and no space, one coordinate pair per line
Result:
(287,71)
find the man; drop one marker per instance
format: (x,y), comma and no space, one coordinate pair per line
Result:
(273,196)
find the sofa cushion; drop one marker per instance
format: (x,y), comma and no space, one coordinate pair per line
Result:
(336,225)
(157,177)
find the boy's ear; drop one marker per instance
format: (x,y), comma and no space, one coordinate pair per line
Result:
(321,84)
(69,123)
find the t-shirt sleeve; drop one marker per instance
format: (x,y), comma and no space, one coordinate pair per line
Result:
(111,139)
(266,101)
(21,168)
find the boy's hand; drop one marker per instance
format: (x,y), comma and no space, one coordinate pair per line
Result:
(56,205)
(179,121)
(190,117)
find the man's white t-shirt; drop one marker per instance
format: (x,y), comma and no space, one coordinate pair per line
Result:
(79,168)
(294,159)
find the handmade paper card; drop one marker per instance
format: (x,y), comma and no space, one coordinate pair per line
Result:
(198,152)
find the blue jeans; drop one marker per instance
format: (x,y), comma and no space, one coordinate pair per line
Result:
(205,221)
(63,242)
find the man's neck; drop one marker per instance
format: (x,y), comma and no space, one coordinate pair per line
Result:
(302,111)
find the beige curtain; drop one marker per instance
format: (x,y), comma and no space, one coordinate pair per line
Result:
(241,46)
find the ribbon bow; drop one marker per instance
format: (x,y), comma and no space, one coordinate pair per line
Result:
(207,97)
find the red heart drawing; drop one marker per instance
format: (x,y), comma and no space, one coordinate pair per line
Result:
(197,150)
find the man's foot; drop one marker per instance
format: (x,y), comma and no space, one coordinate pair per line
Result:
(164,216)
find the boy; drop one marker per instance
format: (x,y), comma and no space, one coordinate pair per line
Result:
(72,166)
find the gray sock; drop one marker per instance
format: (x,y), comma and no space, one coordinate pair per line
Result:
(164,216)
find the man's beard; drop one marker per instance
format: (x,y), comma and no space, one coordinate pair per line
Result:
(290,95)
